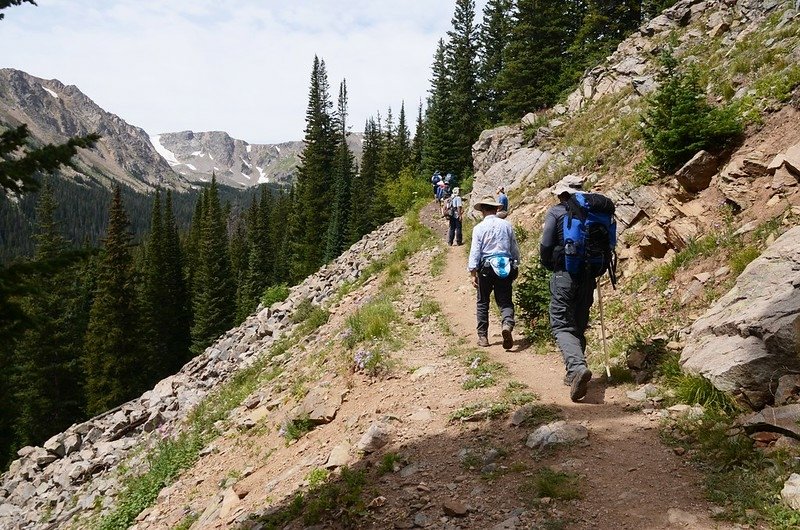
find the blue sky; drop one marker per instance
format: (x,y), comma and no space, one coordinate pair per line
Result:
(240,66)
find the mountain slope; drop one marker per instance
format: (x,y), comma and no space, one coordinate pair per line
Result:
(195,155)
(54,112)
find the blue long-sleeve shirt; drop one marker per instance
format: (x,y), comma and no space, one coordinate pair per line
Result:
(489,237)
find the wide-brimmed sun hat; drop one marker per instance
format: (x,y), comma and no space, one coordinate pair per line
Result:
(569,184)
(486,201)
(456,191)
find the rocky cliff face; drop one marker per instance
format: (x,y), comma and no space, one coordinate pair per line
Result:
(196,155)
(54,112)
(75,471)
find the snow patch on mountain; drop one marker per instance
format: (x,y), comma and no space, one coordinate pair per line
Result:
(49,91)
(262,178)
(168,155)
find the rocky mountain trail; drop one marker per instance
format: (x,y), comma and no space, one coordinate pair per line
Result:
(433,451)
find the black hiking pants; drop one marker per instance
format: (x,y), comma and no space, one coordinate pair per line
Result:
(571,299)
(455,231)
(488,282)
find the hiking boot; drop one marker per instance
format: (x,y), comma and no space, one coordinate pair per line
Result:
(580,383)
(483,341)
(508,340)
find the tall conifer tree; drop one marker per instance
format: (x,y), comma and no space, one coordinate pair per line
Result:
(314,190)
(493,36)
(343,171)
(48,380)
(438,146)
(535,55)
(419,140)
(215,289)
(461,55)
(114,357)
(176,302)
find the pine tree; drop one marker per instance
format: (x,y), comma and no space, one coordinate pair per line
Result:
(437,150)
(153,290)
(113,358)
(239,250)
(313,188)
(460,54)
(534,58)
(404,155)
(419,140)
(47,383)
(176,312)
(493,36)
(363,196)
(214,288)
(343,171)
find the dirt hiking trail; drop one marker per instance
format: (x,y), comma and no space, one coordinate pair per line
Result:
(628,478)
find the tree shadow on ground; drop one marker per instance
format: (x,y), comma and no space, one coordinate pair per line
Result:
(483,476)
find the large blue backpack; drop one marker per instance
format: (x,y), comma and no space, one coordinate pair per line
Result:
(590,236)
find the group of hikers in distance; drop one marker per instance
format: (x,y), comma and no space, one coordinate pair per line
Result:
(577,245)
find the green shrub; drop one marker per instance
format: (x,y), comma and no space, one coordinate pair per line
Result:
(275,293)
(551,484)
(679,122)
(533,302)
(742,258)
(373,321)
(296,428)
(404,191)
(165,464)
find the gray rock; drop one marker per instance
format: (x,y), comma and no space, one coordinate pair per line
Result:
(508,524)
(557,433)
(340,456)
(788,390)
(378,435)
(784,420)
(454,508)
(642,394)
(695,175)
(748,339)
(791,491)
(422,520)
(55,445)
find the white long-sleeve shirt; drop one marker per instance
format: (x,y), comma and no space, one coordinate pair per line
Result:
(490,237)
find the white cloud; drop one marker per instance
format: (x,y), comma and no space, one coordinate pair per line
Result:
(240,66)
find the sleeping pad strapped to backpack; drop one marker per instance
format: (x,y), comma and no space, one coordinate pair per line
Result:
(590,236)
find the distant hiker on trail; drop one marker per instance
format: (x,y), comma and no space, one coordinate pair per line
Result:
(435,180)
(441,195)
(502,198)
(493,264)
(455,211)
(573,262)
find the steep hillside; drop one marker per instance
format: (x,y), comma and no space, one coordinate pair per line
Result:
(196,155)
(54,112)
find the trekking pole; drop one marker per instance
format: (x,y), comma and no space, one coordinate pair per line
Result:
(603,331)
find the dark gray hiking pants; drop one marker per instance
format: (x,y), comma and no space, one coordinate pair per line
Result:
(570,302)
(502,295)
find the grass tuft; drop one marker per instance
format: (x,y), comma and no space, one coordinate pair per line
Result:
(551,484)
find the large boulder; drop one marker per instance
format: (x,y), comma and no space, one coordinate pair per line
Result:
(751,336)
(696,174)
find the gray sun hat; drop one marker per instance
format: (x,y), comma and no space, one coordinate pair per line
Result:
(456,191)
(487,201)
(569,184)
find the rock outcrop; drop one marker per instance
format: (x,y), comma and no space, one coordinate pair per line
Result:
(751,336)
(48,486)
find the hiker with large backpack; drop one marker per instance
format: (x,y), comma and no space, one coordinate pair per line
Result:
(577,244)
(435,180)
(455,211)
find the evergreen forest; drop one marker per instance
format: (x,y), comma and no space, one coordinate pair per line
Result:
(105,292)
